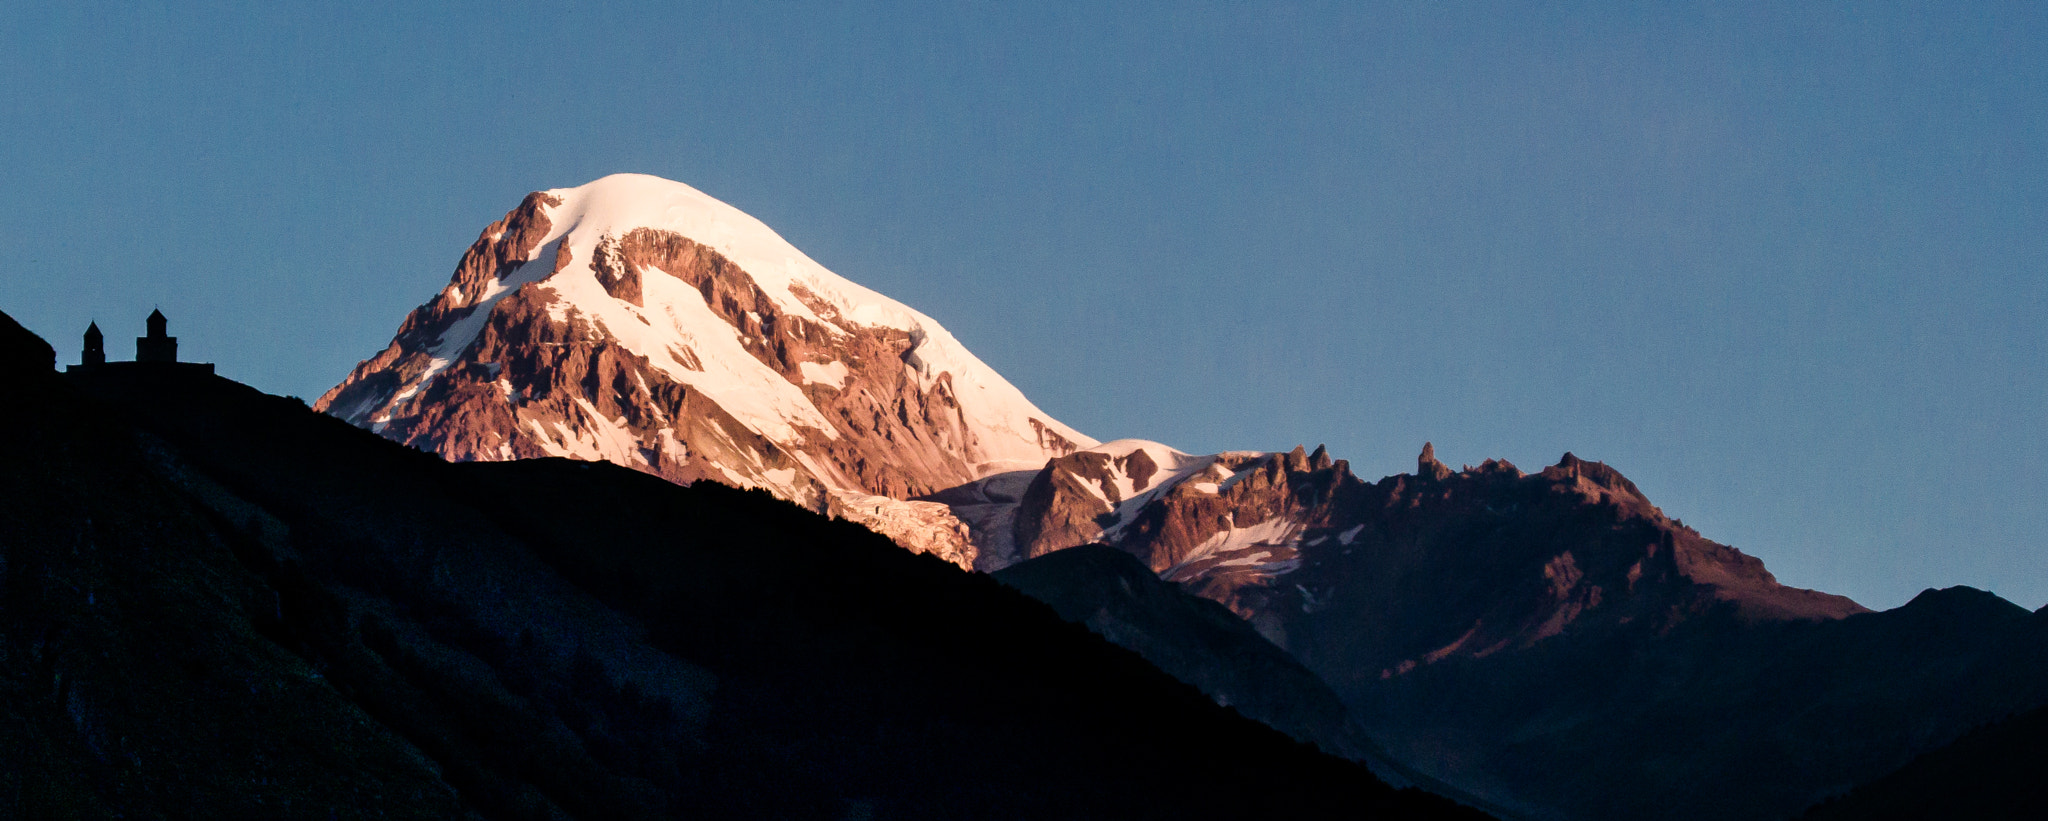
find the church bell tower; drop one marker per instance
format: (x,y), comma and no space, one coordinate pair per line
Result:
(95,346)
(157,346)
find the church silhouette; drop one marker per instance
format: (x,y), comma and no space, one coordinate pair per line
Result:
(158,350)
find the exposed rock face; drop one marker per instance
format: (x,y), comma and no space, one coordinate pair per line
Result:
(640,322)
(1270,533)
(1187,517)
(1417,569)
(927,527)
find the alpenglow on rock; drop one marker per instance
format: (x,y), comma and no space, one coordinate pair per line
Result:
(639,321)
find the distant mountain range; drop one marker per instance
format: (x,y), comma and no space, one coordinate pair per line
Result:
(1546,644)
(1537,645)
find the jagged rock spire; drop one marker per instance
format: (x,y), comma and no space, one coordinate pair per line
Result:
(1427,466)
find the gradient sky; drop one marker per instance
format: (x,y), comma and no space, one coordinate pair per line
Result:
(1786,266)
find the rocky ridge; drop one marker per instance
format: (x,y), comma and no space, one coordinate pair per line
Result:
(1273,533)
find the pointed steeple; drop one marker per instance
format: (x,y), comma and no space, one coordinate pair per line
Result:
(95,346)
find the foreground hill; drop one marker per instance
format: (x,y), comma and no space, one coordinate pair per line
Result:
(220,604)
(1201,642)
(1992,774)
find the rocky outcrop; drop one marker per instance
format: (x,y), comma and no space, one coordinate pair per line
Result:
(1427,467)
(926,527)
(1066,504)
(1176,512)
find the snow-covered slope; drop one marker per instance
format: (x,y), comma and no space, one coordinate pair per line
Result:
(640,321)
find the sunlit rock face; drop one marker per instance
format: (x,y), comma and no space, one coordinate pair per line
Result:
(639,321)
(1293,540)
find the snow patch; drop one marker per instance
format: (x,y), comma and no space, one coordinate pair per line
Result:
(782,479)
(598,439)
(1261,545)
(830,373)
(672,449)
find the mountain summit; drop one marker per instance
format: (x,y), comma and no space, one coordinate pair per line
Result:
(642,322)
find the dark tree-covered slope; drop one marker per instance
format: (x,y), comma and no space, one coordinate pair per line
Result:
(1204,644)
(1995,772)
(1195,639)
(220,604)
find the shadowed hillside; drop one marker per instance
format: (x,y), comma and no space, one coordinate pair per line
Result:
(220,604)
(1992,772)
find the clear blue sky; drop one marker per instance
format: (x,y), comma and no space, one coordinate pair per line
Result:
(1785,265)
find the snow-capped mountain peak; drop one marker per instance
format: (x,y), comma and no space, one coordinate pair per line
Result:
(640,321)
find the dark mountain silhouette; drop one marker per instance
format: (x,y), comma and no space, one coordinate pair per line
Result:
(218,603)
(1994,773)
(1202,643)
(1721,719)
(1196,640)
